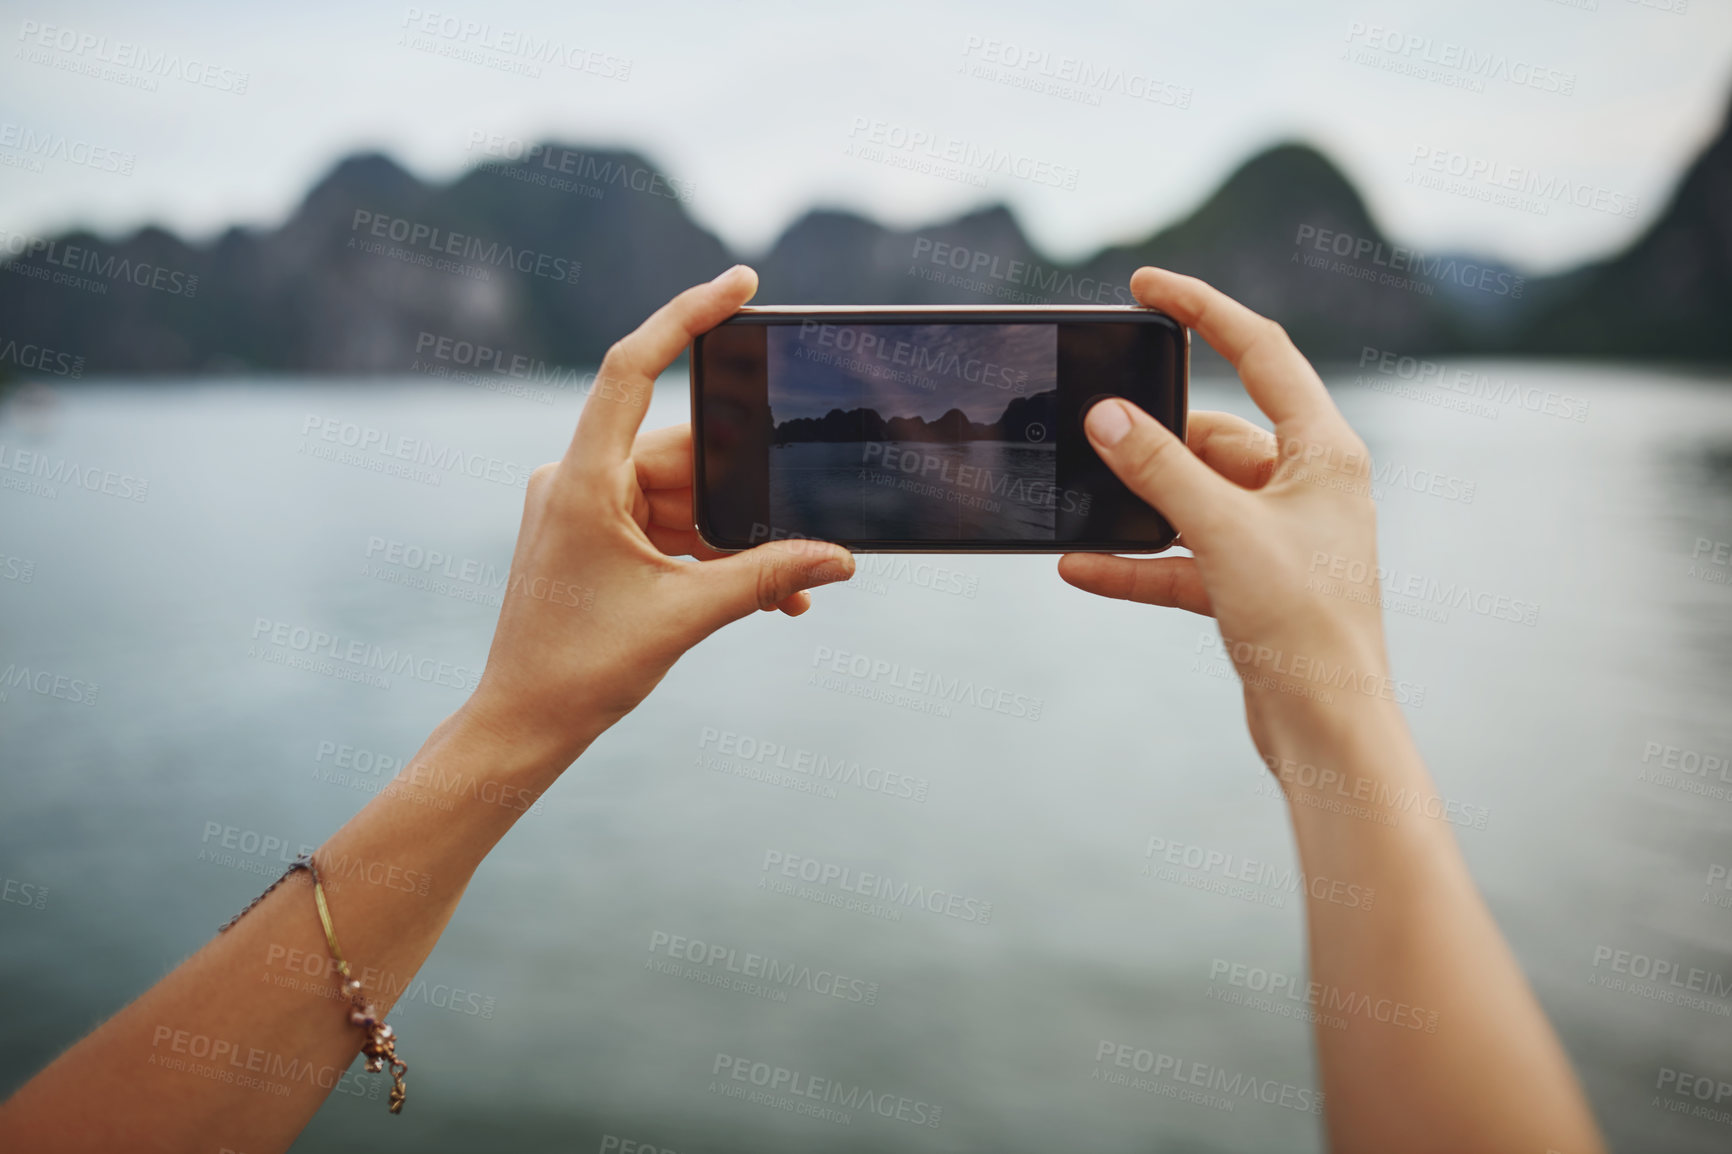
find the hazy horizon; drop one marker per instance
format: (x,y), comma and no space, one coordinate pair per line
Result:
(1135,141)
(984,419)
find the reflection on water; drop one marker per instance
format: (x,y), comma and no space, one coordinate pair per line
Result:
(915,490)
(651,933)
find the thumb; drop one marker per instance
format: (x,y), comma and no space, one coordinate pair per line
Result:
(762,578)
(1157,466)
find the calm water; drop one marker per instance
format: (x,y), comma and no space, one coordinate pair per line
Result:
(908,489)
(544,1026)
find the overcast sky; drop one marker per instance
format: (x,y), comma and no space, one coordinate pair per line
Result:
(766,109)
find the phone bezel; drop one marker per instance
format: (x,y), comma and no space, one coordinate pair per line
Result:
(929,314)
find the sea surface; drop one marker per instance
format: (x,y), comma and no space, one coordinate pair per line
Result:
(1574,706)
(976,490)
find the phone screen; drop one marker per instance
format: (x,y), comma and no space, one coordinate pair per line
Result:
(928,434)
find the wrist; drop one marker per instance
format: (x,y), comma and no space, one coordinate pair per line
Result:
(1348,752)
(523,745)
(481,756)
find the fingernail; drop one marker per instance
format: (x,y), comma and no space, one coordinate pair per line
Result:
(1108,422)
(725,274)
(835,569)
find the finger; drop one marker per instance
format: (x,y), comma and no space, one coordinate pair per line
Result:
(738,585)
(1276,374)
(681,543)
(621,395)
(1157,467)
(1171,581)
(1232,446)
(675,543)
(664,458)
(670,508)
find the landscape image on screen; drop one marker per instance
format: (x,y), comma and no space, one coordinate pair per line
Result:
(913,432)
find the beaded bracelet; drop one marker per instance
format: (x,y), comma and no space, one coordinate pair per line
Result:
(380,1045)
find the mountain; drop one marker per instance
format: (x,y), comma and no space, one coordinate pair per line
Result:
(1668,296)
(830,257)
(952,427)
(548,258)
(1258,240)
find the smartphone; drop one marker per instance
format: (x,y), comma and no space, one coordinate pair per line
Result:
(927,429)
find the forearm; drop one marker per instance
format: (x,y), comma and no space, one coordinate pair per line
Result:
(244,1040)
(1428,1036)
(596,611)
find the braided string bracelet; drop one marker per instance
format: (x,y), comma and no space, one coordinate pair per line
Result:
(380,1045)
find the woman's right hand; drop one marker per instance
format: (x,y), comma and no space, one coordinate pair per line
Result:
(597,609)
(1282,528)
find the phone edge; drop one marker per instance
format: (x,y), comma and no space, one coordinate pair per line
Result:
(947,547)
